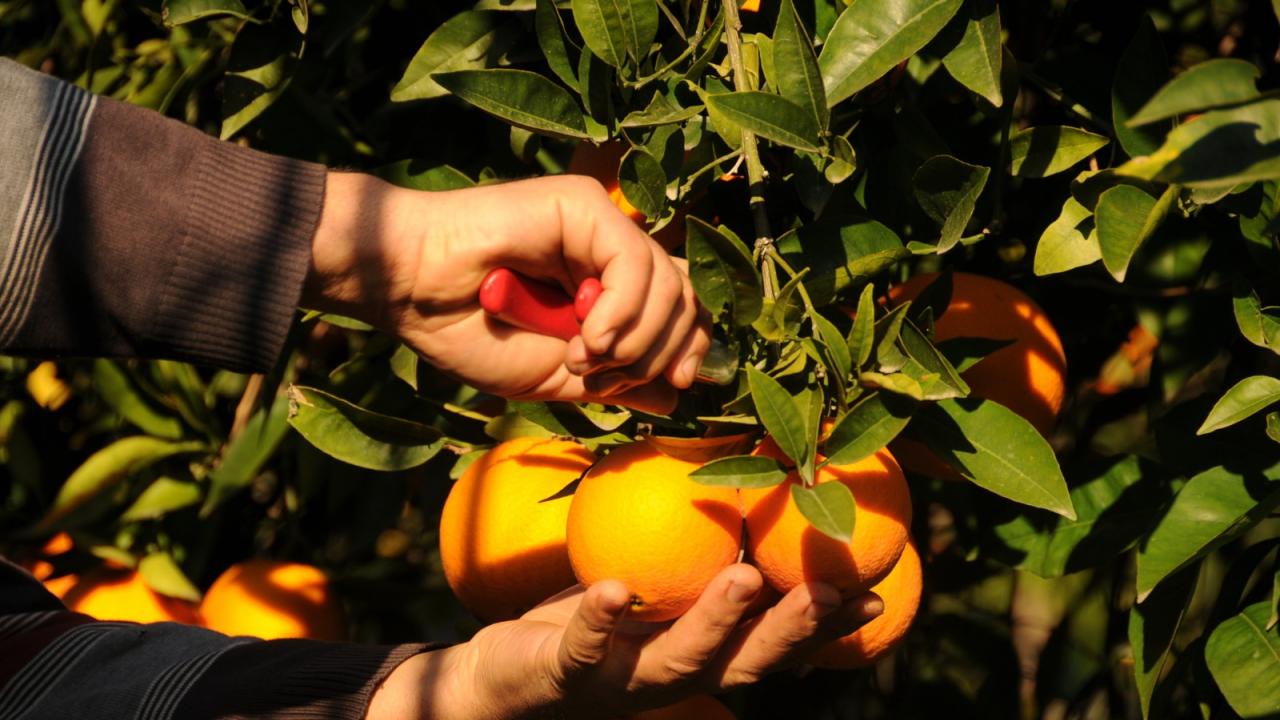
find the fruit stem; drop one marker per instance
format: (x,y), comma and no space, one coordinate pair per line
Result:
(755,169)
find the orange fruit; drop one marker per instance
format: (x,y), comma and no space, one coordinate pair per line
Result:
(42,570)
(900,591)
(789,551)
(601,162)
(698,707)
(270,599)
(638,518)
(503,548)
(122,595)
(1027,376)
(750,6)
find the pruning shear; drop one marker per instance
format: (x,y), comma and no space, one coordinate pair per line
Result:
(545,309)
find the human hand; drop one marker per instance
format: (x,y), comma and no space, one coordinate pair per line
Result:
(411,263)
(575,656)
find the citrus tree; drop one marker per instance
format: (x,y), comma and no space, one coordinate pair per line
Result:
(1027,251)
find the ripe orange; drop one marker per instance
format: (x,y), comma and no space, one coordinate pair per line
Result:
(43,570)
(271,599)
(122,595)
(698,707)
(503,548)
(601,162)
(1028,376)
(750,6)
(638,518)
(900,591)
(789,551)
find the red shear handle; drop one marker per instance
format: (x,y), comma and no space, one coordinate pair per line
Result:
(529,304)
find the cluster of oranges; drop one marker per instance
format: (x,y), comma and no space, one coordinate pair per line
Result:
(515,529)
(260,598)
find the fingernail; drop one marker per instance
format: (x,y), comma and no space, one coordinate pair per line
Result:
(689,368)
(872,608)
(741,594)
(818,610)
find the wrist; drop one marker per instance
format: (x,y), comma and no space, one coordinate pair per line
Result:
(355,261)
(430,685)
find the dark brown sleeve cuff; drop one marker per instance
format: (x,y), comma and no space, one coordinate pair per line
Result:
(294,678)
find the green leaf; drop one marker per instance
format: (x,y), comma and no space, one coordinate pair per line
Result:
(948,190)
(834,342)
(360,437)
(867,427)
(899,383)
(889,356)
(843,251)
(965,352)
(779,413)
(245,456)
(660,111)
(551,39)
(1244,659)
(1152,628)
(1069,242)
(260,67)
(770,116)
(164,576)
(118,390)
(643,182)
(1213,507)
(1246,398)
(812,403)
(862,336)
(107,467)
(976,60)
(1043,151)
(722,273)
(948,383)
(1207,86)
(1126,218)
(416,176)
(1115,506)
(469,40)
(1220,149)
(741,471)
(872,36)
(996,449)
(829,507)
(796,66)
(1140,73)
(520,97)
(161,497)
(1259,325)
(181,12)
(617,30)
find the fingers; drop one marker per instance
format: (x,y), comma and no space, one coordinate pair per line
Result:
(586,638)
(804,620)
(639,327)
(685,649)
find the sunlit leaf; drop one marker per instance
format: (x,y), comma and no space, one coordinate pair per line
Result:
(1245,399)
(770,116)
(722,272)
(617,31)
(1222,148)
(1069,242)
(523,98)
(867,427)
(161,497)
(163,575)
(796,66)
(247,453)
(358,436)
(1043,151)
(741,471)
(780,414)
(259,69)
(1244,658)
(872,36)
(643,182)
(1209,85)
(976,60)
(829,507)
(1126,218)
(180,12)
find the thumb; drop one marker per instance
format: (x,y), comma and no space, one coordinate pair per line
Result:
(586,638)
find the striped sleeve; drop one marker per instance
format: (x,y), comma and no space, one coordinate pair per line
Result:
(59,664)
(124,233)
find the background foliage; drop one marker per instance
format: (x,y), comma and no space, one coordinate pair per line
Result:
(1035,141)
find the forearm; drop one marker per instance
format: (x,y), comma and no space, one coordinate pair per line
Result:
(128,234)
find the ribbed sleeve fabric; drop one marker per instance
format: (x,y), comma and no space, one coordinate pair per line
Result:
(300,679)
(162,242)
(55,663)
